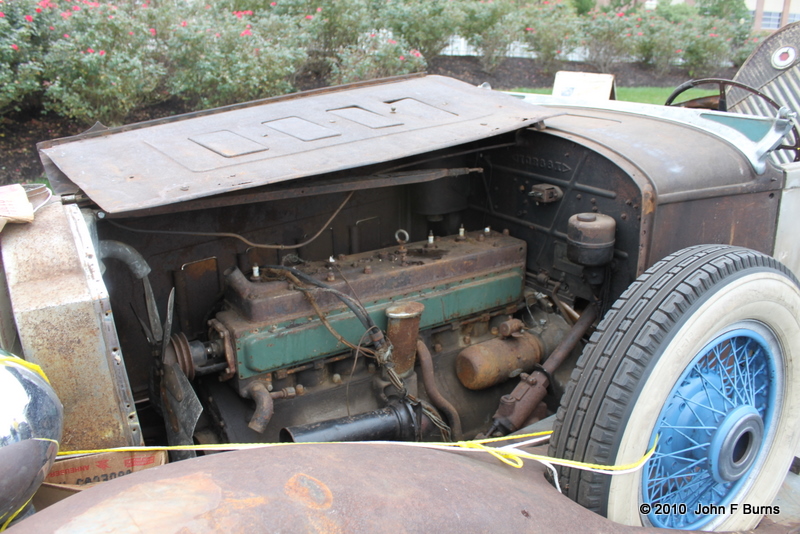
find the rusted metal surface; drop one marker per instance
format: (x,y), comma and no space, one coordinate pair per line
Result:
(510,327)
(402,329)
(325,488)
(208,154)
(517,407)
(275,326)
(393,272)
(66,325)
(342,182)
(748,220)
(432,389)
(590,238)
(485,364)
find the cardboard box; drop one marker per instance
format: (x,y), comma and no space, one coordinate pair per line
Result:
(72,475)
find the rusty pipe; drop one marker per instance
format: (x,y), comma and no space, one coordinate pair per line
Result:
(265,407)
(516,407)
(570,341)
(402,329)
(437,399)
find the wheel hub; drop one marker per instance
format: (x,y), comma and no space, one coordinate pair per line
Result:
(714,426)
(736,444)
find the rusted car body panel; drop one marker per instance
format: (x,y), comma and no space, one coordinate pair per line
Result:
(65,324)
(265,283)
(332,488)
(271,141)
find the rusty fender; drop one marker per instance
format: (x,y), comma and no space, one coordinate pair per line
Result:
(330,488)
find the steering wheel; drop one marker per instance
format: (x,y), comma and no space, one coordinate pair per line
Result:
(722,103)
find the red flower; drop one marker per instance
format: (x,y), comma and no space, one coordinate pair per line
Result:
(38,9)
(621,14)
(152,31)
(90,50)
(273,4)
(183,23)
(402,58)
(76,8)
(640,33)
(678,51)
(309,17)
(319,9)
(52,28)
(2,15)
(713,35)
(66,14)
(29,18)
(15,47)
(66,36)
(130,33)
(391,41)
(102,52)
(246,32)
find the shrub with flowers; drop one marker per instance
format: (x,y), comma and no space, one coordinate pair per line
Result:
(607,38)
(223,57)
(101,60)
(331,25)
(376,56)
(490,27)
(656,41)
(707,45)
(23,42)
(551,30)
(425,25)
(101,64)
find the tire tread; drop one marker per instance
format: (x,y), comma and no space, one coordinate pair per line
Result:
(595,405)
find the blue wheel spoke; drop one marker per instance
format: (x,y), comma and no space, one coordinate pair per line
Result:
(698,405)
(729,383)
(674,454)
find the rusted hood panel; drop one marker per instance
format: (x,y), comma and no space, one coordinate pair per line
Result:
(331,488)
(207,153)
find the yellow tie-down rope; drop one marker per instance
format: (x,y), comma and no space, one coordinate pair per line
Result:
(509,454)
(6,359)
(9,359)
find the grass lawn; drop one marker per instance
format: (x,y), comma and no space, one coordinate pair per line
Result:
(646,95)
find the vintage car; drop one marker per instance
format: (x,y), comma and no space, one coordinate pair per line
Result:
(419,259)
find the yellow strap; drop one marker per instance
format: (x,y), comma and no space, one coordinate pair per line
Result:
(15,514)
(14,360)
(513,458)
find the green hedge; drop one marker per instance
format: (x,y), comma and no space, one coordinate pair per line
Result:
(92,60)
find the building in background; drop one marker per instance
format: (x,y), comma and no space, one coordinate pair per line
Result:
(767,14)
(773,14)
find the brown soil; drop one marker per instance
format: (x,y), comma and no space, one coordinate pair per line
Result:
(19,133)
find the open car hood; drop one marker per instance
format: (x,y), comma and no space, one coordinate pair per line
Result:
(177,159)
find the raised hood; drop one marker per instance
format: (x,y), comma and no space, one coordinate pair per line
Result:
(161,162)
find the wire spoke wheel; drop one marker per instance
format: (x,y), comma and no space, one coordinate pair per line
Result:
(696,358)
(713,426)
